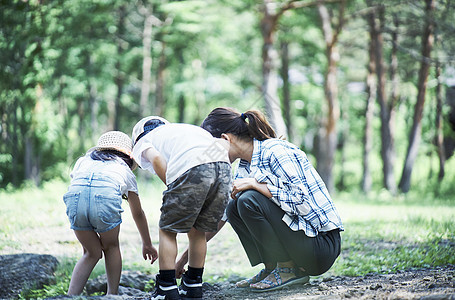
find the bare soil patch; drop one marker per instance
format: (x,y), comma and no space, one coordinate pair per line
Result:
(434,283)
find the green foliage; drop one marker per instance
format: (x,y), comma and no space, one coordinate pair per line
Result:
(64,64)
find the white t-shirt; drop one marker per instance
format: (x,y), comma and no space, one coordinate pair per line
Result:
(117,169)
(183,146)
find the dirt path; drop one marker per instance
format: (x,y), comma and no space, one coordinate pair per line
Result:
(436,283)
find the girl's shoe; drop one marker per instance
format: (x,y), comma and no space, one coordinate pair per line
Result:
(256,278)
(279,283)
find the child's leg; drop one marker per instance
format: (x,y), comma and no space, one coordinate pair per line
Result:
(197,248)
(92,254)
(167,249)
(191,285)
(113,259)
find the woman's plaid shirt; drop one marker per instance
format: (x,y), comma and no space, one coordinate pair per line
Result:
(295,185)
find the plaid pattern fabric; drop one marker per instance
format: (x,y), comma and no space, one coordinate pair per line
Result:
(294,183)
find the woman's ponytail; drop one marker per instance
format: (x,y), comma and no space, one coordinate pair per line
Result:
(258,126)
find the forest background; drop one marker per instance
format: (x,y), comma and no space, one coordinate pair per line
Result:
(366,88)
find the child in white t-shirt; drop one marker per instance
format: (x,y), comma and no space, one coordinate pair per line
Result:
(196,170)
(99,181)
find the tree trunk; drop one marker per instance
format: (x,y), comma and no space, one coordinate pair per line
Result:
(81,129)
(394,91)
(341,143)
(369,110)
(269,69)
(93,105)
(159,92)
(119,79)
(387,137)
(416,130)
(144,106)
(439,138)
(14,141)
(286,88)
(328,132)
(31,160)
(181,101)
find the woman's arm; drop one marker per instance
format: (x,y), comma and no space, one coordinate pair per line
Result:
(148,251)
(243,184)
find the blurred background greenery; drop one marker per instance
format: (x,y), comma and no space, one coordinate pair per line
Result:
(365,88)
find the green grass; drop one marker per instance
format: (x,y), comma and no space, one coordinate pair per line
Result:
(383,234)
(386,235)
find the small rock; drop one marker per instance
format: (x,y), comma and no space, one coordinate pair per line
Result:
(393,282)
(323,287)
(133,280)
(375,287)
(432,285)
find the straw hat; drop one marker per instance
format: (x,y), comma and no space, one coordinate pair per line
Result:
(145,125)
(115,140)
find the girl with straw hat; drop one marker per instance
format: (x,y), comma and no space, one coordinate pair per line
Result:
(99,182)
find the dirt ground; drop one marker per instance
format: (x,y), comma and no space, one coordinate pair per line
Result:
(433,283)
(436,284)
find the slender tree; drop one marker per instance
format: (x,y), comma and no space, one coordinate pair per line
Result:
(160,101)
(268,26)
(144,102)
(328,132)
(416,130)
(386,106)
(119,77)
(439,137)
(369,107)
(286,87)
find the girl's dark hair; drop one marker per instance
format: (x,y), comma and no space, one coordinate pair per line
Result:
(105,155)
(251,124)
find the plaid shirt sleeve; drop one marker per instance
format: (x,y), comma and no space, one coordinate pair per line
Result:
(284,174)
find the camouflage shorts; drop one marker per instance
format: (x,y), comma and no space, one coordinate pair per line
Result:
(197,198)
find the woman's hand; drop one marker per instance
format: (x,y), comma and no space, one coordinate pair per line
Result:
(243,184)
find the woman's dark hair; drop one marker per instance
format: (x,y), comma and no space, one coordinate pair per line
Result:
(248,125)
(105,155)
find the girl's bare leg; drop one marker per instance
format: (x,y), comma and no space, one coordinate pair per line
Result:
(113,257)
(91,246)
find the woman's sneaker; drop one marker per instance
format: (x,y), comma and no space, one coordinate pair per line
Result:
(190,288)
(165,290)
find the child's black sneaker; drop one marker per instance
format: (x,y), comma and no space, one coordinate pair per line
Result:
(165,290)
(190,288)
